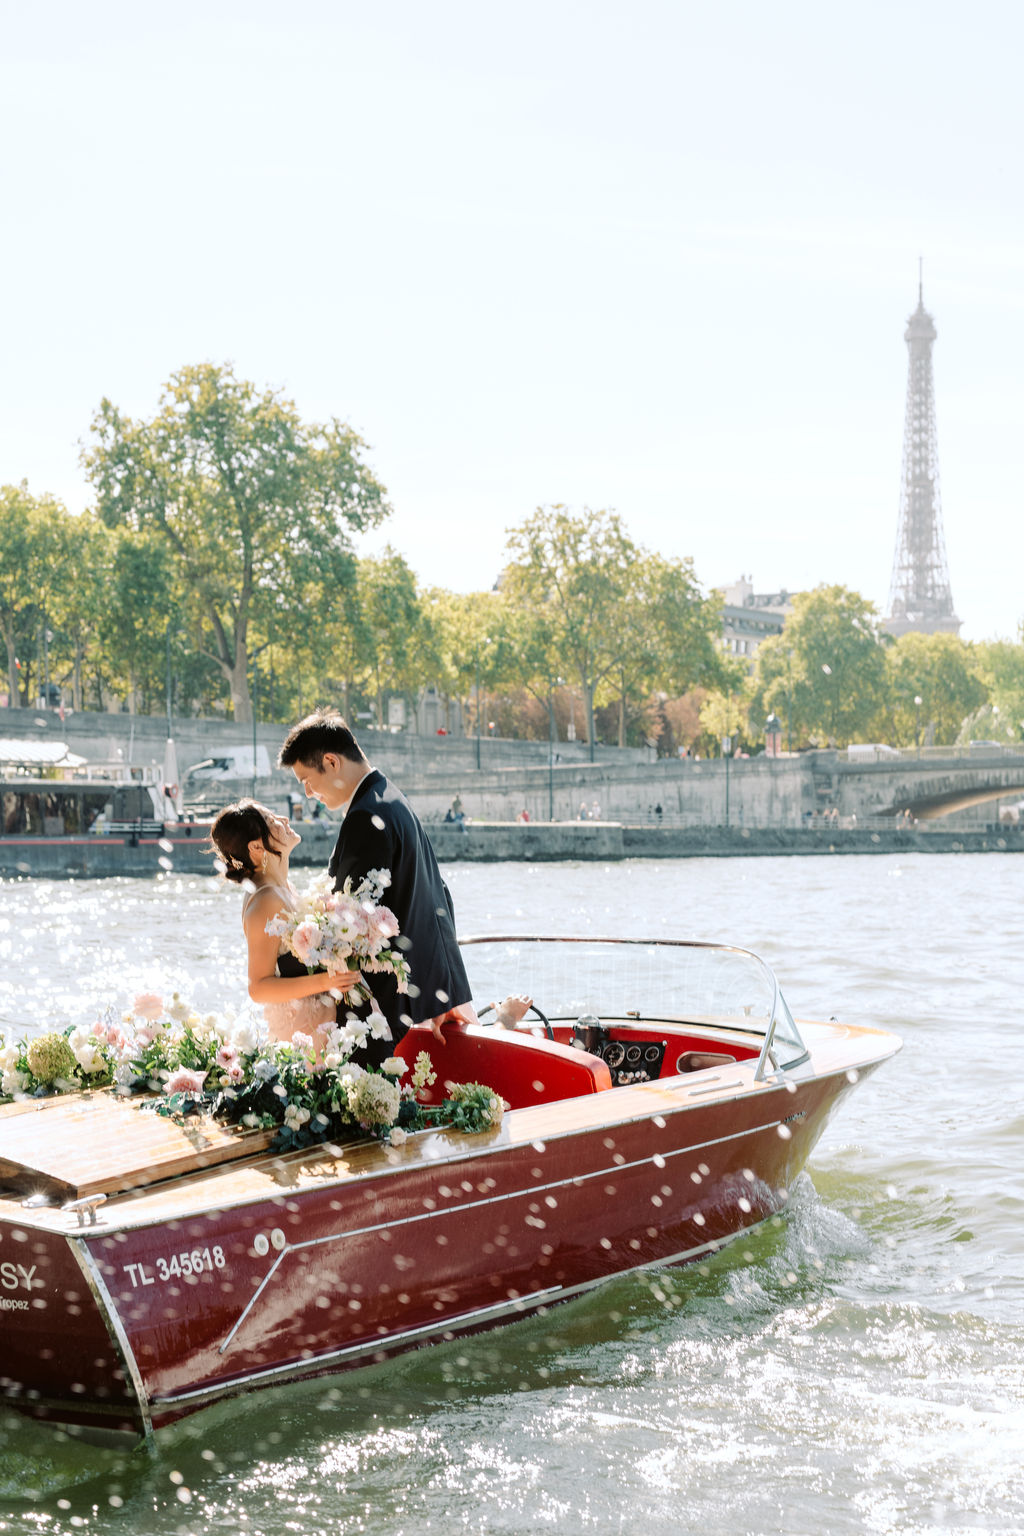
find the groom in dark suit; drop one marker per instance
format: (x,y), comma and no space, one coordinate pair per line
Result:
(380,830)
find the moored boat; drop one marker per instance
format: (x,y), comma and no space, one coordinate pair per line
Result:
(662,1102)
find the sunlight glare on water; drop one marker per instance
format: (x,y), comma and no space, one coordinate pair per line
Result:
(855,1368)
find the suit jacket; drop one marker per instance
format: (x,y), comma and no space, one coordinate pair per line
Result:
(382,831)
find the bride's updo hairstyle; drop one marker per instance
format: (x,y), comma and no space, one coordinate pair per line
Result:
(322,731)
(235,828)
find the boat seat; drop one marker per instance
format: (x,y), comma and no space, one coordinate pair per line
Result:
(696,1061)
(524,1069)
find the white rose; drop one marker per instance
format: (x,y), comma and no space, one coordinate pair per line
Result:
(378,1026)
(245,1036)
(397,1136)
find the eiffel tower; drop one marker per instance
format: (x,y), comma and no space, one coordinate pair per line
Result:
(919,596)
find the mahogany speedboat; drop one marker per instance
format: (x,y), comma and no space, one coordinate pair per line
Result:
(662,1102)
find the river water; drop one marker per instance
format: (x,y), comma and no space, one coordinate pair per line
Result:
(859,1370)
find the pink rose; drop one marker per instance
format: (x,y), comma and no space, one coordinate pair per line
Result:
(148,1006)
(227,1055)
(383,925)
(305,940)
(185,1080)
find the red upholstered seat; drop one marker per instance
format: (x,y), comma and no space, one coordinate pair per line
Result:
(523,1068)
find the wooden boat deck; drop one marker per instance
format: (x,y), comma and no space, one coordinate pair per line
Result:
(96,1143)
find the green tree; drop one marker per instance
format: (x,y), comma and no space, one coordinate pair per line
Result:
(941,672)
(35,551)
(390,609)
(140,600)
(82,602)
(824,675)
(665,637)
(256,506)
(724,714)
(574,570)
(1001,669)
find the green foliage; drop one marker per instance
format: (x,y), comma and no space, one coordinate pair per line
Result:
(941,671)
(140,598)
(1000,666)
(571,569)
(825,675)
(36,546)
(725,715)
(469,1107)
(616,618)
(256,507)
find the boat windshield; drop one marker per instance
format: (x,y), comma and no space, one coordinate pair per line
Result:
(667,981)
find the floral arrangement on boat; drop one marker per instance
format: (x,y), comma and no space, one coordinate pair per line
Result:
(191,1064)
(350,928)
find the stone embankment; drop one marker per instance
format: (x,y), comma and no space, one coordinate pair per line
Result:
(494,842)
(641,808)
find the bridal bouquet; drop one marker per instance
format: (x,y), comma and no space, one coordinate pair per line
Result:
(349,929)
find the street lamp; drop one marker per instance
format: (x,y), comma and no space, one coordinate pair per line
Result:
(772,735)
(255,701)
(476,663)
(835,691)
(918,701)
(727,753)
(551,744)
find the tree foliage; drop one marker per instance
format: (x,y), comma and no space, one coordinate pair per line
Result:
(825,674)
(1000,665)
(257,508)
(615,617)
(941,672)
(36,546)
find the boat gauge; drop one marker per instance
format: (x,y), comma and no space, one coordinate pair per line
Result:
(614,1054)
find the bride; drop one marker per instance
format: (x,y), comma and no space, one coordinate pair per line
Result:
(255,846)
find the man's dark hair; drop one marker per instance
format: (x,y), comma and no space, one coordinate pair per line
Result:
(322,731)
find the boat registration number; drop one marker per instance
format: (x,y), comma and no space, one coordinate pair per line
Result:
(177,1266)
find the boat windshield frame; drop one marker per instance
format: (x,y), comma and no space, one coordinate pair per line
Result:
(772,1059)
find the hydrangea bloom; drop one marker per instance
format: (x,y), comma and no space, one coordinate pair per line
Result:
(50,1057)
(375,1100)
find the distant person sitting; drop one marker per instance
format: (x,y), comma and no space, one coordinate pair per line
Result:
(524,815)
(583,814)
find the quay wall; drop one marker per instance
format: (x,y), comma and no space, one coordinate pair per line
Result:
(627,786)
(99,857)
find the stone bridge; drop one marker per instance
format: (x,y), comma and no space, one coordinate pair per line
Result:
(933,784)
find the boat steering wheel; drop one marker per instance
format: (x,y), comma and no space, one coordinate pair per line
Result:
(488,1007)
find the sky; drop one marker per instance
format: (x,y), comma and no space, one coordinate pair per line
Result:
(649,256)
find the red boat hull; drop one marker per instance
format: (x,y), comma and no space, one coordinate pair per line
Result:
(323,1260)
